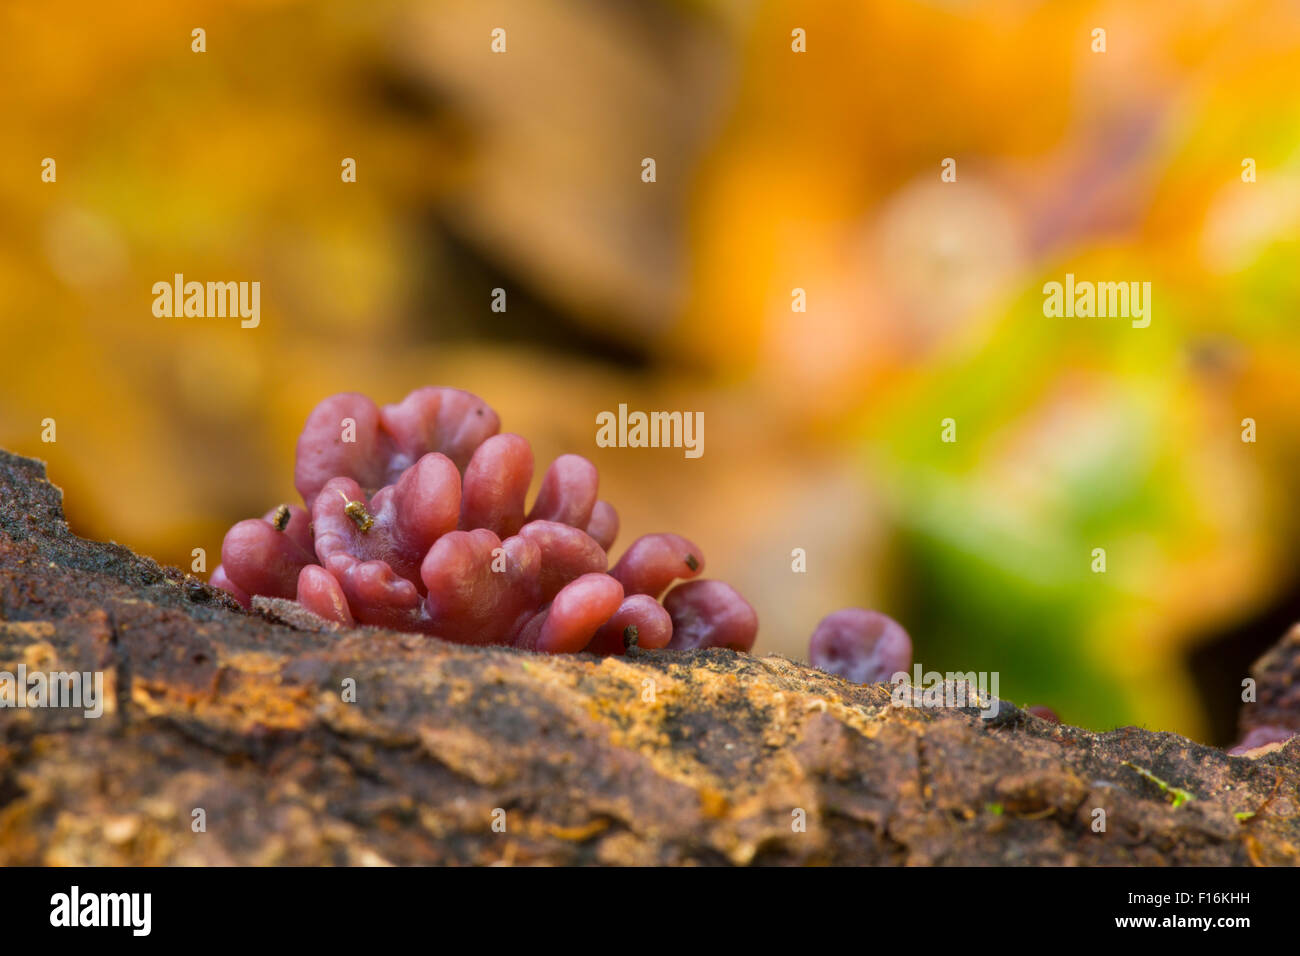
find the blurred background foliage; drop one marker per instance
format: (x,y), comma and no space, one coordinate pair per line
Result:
(776,171)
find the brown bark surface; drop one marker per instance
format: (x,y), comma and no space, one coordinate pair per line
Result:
(243,716)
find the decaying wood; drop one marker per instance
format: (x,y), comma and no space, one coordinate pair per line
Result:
(707,757)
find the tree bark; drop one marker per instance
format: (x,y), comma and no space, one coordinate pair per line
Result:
(241,721)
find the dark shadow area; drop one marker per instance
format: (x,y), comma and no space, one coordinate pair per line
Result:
(1221,661)
(465,312)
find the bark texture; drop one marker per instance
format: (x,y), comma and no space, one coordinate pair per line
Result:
(662,757)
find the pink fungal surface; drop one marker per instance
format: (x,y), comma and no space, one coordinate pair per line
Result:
(860,645)
(416,519)
(1260,737)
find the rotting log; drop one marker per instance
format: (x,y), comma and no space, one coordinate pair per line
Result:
(657,758)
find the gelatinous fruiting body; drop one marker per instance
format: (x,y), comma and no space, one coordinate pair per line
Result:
(1261,736)
(568,492)
(654,561)
(322,594)
(603,526)
(1043,713)
(496,485)
(566,554)
(261,558)
(860,645)
(348,436)
(417,519)
(640,621)
(710,614)
(481,590)
(577,613)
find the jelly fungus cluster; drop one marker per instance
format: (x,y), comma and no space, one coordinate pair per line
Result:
(415,519)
